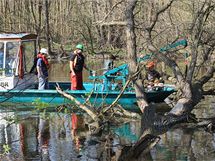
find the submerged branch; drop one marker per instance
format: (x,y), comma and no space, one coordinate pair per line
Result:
(143,146)
(128,113)
(83,107)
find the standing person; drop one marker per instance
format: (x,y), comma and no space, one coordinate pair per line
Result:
(77,63)
(42,69)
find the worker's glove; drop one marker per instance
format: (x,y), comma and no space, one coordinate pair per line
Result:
(92,73)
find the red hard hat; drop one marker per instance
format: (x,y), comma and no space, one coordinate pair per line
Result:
(150,64)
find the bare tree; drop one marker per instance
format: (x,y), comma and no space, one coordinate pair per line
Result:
(46,5)
(131,49)
(192,90)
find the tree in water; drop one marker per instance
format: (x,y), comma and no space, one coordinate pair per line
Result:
(190,83)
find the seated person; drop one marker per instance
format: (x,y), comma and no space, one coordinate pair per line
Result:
(153,77)
(109,63)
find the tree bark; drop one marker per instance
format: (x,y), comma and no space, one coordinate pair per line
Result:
(47,26)
(131,49)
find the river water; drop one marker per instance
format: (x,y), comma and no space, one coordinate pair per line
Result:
(50,136)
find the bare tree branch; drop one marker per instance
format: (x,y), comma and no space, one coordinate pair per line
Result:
(209,92)
(110,11)
(112,23)
(122,91)
(157,14)
(208,75)
(202,16)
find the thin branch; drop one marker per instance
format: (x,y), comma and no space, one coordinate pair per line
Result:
(118,97)
(152,48)
(128,113)
(209,92)
(209,74)
(206,57)
(112,23)
(122,91)
(156,16)
(202,17)
(106,16)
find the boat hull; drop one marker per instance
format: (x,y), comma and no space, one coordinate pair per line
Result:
(97,98)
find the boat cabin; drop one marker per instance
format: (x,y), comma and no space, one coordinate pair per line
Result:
(17,54)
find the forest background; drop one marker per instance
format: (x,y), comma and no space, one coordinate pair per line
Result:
(98,24)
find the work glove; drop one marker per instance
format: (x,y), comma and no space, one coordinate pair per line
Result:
(92,73)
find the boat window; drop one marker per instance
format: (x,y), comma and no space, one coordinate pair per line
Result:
(1,57)
(29,54)
(12,49)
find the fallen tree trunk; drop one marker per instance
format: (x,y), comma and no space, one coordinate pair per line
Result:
(101,117)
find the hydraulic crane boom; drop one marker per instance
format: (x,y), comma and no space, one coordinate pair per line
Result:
(123,69)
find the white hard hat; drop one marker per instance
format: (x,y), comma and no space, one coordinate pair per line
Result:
(44,51)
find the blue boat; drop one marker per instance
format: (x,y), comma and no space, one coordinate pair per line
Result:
(18,84)
(98,97)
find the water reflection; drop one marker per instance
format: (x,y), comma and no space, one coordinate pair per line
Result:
(43,138)
(74,128)
(64,137)
(128,133)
